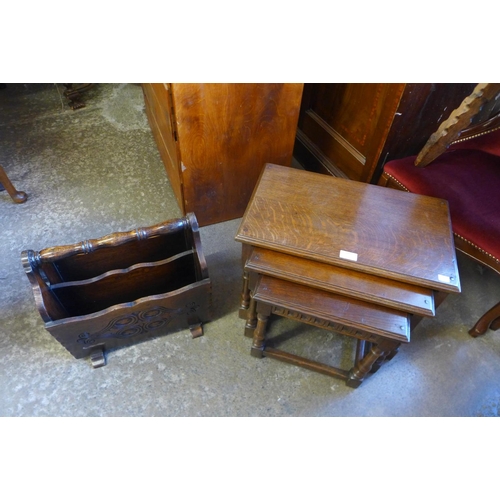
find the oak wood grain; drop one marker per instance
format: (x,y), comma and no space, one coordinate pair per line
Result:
(348,122)
(215,138)
(371,318)
(396,235)
(347,282)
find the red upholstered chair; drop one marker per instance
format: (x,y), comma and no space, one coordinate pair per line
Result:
(462,165)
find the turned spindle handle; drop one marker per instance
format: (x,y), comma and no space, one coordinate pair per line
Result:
(111,240)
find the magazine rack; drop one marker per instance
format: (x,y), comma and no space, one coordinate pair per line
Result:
(122,288)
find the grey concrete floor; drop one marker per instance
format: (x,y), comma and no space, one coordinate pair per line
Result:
(97,170)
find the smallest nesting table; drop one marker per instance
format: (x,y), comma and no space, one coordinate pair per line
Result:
(387,330)
(360,260)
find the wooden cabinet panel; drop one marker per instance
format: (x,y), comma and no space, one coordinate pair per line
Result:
(351,129)
(223,135)
(158,109)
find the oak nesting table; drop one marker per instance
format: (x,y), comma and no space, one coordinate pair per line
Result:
(357,259)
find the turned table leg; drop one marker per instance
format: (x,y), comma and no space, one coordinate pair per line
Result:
(387,356)
(259,334)
(245,296)
(360,350)
(363,367)
(251,323)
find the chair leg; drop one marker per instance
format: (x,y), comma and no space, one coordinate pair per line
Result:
(17,196)
(490,319)
(495,324)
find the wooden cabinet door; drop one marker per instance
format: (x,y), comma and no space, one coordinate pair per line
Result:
(346,124)
(351,129)
(226,133)
(214,140)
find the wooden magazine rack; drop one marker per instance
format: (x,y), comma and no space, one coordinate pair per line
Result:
(122,288)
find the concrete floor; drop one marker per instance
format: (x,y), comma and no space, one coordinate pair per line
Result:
(97,170)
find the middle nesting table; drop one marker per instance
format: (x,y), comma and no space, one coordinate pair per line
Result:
(361,260)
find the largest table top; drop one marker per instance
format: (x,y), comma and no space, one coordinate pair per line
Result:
(377,230)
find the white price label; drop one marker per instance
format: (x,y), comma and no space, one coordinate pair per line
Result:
(344,254)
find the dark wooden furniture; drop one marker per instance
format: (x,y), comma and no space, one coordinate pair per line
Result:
(343,255)
(342,281)
(462,165)
(351,129)
(386,330)
(122,288)
(74,94)
(215,138)
(5,183)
